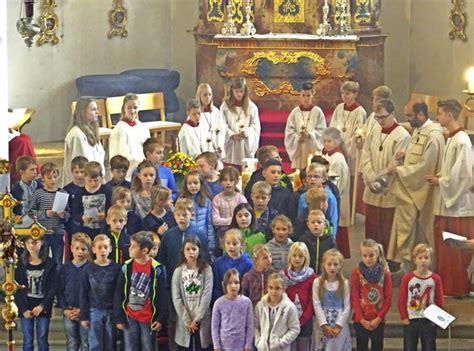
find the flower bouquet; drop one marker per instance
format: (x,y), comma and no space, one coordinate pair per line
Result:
(179,163)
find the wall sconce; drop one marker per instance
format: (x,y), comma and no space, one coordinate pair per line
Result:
(25,26)
(470,89)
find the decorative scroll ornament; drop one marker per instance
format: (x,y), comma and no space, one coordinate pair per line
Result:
(362,13)
(118,20)
(215,11)
(49,24)
(288,11)
(237,11)
(457,20)
(342,18)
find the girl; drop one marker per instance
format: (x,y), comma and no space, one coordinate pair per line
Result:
(191,290)
(232,317)
(276,318)
(160,218)
(129,134)
(299,278)
(37,272)
(233,257)
(123,197)
(141,187)
(255,281)
(194,188)
(82,138)
(211,123)
(224,203)
(334,152)
(281,243)
(331,302)
(244,219)
(371,296)
(241,122)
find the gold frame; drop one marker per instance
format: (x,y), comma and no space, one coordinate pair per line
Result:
(118,20)
(457,21)
(299,18)
(48,23)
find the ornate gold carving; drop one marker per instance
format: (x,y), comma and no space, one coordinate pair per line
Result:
(215,12)
(118,20)
(237,12)
(362,13)
(48,23)
(457,20)
(288,11)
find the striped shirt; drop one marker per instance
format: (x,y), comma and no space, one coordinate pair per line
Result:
(41,201)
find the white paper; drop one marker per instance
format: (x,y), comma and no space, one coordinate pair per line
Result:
(15,116)
(60,202)
(91,212)
(448,235)
(438,316)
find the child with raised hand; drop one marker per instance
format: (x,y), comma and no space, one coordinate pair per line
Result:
(207,164)
(233,257)
(160,218)
(191,289)
(118,235)
(244,220)
(37,272)
(254,281)
(232,316)
(69,288)
(141,297)
(299,277)
(418,290)
(281,243)
(371,296)
(123,197)
(97,286)
(276,317)
(119,166)
(224,203)
(332,307)
(142,183)
(260,196)
(26,186)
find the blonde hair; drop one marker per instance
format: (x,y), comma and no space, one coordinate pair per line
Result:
(101,237)
(229,99)
(335,134)
(199,91)
(420,248)
(258,250)
(351,86)
(156,239)
(159,193)
(284,219)
(117,210)
(382,92)
(82,238)
(315,197)
(89,128)
(183,204)
(316,212)
(299,247)
(120,193)
(324,276)
(237,234)
(317,167)
(127,98)
(262,187)
(372,244)
(277,276)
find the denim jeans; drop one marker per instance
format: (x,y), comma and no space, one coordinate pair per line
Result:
(76,335)
(42,330)
(139,336)
(101,330)
(422,329)
(56,243)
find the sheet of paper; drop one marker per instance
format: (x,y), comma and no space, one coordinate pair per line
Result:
(60,201)
(448,235)
(438,316)
(91,212)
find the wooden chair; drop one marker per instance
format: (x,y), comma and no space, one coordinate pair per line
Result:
(104,130)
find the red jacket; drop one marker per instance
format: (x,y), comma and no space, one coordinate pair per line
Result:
(305,294)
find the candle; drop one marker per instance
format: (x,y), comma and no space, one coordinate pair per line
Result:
(470,80)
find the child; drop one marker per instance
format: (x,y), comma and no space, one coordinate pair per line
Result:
(27,185)
(190,136)
(233,257)
(280,244)
(142,183)
(37,272)
(41,204)
(156,244)
(224,203)
(304,128)
(119,167)
(371,296)
(329,183)
(140,305)
(261,194)
(254,281)
(241,121)
(70,277)
(207,163)
(244,220)
(334,152)
(97,287)
(379,93)
(317,238)
(160,218)
(418,290)
(317,199)
(299,278)
(332,307)
(123,197)
(118,235)
(128,135)
(276,318)
(191,289)
(232,316)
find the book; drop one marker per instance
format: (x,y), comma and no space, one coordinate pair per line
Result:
(451,236)
(438,316)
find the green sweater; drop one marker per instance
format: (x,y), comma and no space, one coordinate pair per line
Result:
(252,239)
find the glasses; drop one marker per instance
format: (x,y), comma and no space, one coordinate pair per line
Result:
(379,118)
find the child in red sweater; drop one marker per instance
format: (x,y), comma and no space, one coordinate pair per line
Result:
(371,296)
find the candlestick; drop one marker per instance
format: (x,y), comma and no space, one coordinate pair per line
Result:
(325,27)
(248,27)
(229,27)
(470,80)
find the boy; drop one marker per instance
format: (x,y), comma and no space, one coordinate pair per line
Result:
(207,166)
(41,205)
(119,238)
(261,194)
(97,287)
(119,168)
(123,197)
(317,238)
(327,182)
(189,136)
(26,186)
(304,128)
(141,297)
(70,277)
(280,244)
(418,290)
(156,245)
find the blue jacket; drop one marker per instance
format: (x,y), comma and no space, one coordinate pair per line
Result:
(214,188)
(120,245)
(73,225)
(151,223)
(203,221)
(222,264)
(69,286)
(134,222)
(17,193)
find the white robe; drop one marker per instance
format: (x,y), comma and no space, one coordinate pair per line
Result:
(235,122)
(212,131)
(76,144)
(314,123)
(349,121)
(189,139)
(338,168)
(128,141)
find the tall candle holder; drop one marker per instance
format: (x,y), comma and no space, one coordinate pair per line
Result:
(324,28)
(248,27)
(229,27)
(342,18)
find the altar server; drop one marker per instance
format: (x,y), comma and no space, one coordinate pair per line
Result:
(190,135)
(381,92)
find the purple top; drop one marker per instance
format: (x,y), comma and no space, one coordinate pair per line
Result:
(232,323)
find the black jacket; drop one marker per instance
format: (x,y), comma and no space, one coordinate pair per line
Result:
(317,246)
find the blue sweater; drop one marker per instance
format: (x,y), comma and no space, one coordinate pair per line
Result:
(331,212)
(151,223)
(222,264)
(72,225)
(18,193)
(214,188)
(69,285)
(134,222)
(203,221)
(113,183)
